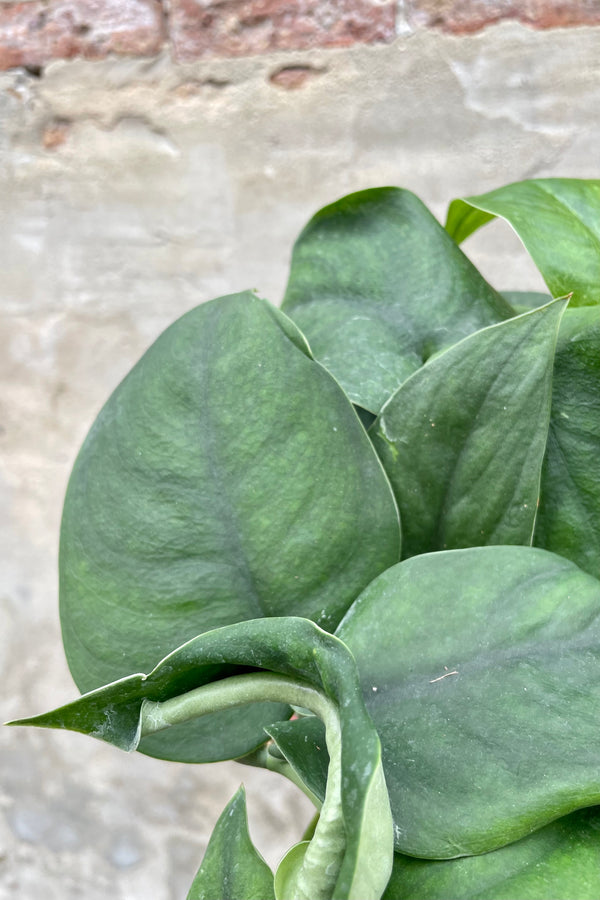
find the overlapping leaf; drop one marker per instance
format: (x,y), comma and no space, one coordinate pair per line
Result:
(289,647)
(226,478)
(463,439)
(232,869)
(569,515)
(302,743)
(558,220)
(559,862)
(481,671)
(377,286)
(523,301)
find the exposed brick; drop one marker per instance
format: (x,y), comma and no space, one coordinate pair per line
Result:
(293,77)
(55,133)
(464,16)
(245,27)
(34,33)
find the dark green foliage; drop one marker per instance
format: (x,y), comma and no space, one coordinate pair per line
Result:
(232,528)
(232,869)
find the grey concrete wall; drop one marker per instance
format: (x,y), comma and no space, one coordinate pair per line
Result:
(130,191)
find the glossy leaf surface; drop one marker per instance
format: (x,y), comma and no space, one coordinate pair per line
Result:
(232,868)
(558,220)
(569,515)
(377,286)
(227,477)
(559,862)
(289,647)
(481,671)
(463,439)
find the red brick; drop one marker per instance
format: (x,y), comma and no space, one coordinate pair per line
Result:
(245,27)
(55,133)
(290,78)
(464,16)
(34,33)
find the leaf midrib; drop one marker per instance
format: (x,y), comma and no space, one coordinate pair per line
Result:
(220,489)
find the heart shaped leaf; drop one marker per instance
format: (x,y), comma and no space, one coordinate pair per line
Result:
(559,862)
(377,286)
(558,220)
(481,671)
(467,473)
(232,868)
(227,477)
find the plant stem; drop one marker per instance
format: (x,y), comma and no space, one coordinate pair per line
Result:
(320,868)
(231,692)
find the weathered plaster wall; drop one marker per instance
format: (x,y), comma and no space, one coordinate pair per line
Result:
(34,32)
(132,189)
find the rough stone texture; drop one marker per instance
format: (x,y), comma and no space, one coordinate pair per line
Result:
(34,33)
(244,27)
(131,191)
(463,16)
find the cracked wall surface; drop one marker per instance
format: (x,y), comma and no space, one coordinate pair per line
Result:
(133,189)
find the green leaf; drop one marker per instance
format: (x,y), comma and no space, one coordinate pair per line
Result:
(289,871)
(558,220)
(311,828)
(463,439)
(302,743)
(559,862)
(569,515)
(464,217)
(377,286)
(232,868)
(481,671)
(350,856)
(523,301)
(227,477)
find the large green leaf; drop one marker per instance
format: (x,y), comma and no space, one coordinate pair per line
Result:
(232,869)
(350,855)
(558,220)
(569,515)
(463,439)
(559,862)
(227,477)
(377,286)
(481,671)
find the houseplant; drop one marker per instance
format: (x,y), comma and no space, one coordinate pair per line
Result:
(376,508)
